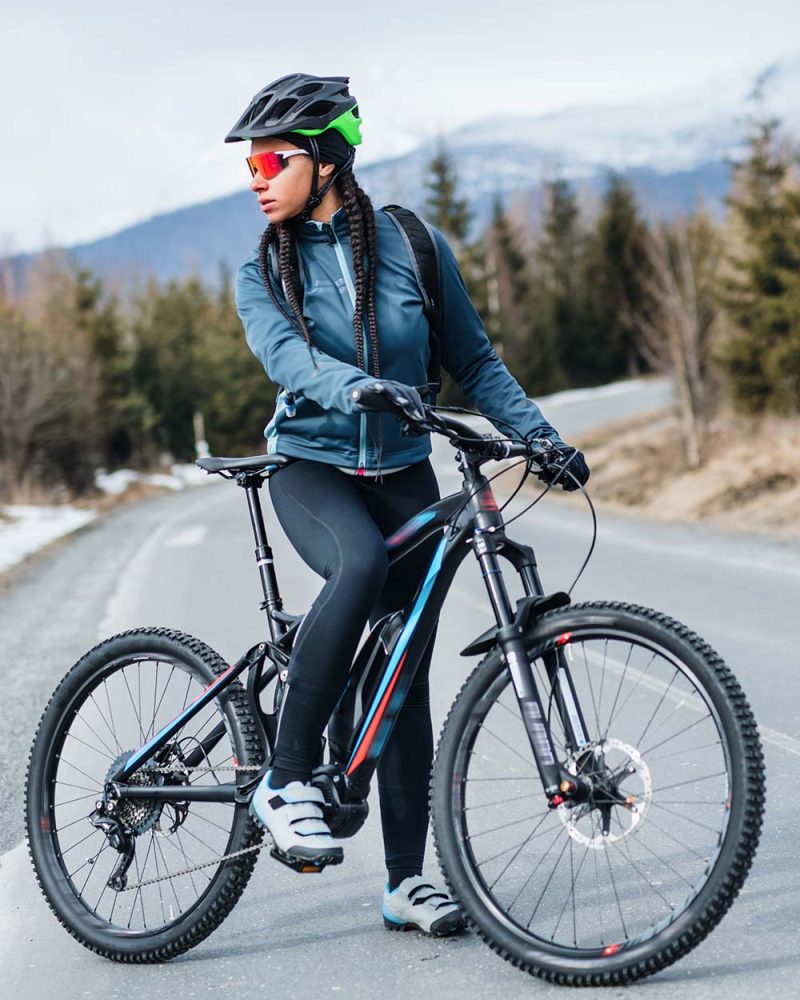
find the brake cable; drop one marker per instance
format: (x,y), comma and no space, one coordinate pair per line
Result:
(528,461)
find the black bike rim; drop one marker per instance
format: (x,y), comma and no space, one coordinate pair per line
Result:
(464,838)
(96,838)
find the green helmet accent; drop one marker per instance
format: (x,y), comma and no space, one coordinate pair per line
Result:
(348,124)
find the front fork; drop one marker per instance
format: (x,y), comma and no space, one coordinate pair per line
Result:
(559,784)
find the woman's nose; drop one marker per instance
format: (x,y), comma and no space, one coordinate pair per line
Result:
(258,183)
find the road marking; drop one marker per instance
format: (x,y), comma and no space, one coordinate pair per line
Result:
(191,536)
(780,740)
(114,617)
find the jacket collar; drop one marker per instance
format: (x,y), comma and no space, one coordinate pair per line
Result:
(320,232)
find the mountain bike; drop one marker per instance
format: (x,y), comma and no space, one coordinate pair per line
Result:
(597,792)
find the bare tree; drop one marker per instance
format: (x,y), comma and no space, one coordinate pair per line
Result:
(681,261)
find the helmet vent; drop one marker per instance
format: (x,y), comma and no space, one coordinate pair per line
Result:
(282,107)
(319,108)
(309,88)
(256,110)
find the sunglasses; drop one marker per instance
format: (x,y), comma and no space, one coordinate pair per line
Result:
(269,165)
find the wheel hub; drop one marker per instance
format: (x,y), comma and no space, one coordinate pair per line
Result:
(137,816)
(622,789)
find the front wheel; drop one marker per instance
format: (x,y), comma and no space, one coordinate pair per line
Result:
(619,886)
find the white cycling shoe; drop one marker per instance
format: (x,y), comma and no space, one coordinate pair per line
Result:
(293,818)
(417,905)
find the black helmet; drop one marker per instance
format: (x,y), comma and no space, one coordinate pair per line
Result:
(301,107)
(300,102)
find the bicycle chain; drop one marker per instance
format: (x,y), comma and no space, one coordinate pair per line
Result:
(204,864)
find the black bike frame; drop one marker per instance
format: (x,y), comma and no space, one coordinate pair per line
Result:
(464,520)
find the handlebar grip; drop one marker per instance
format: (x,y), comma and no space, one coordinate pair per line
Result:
(371,398)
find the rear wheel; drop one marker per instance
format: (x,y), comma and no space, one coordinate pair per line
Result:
(117,696)
(621,885)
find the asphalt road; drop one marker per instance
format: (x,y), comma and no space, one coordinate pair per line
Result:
(185,560)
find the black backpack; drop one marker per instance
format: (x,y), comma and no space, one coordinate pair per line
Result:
(424,255)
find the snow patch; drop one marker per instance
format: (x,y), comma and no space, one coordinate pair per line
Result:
(32,527)
(179,477)
(25,528)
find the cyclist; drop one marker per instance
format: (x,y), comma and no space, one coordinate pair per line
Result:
(358,477)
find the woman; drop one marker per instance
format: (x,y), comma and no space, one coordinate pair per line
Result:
(357,478)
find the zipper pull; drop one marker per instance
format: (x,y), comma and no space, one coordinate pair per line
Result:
(290,408)
(360,471)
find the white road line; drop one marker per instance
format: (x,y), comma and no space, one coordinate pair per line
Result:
(191,536)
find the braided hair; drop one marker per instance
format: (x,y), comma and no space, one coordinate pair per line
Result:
(363,240)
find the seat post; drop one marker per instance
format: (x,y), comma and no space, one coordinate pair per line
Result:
(264,560)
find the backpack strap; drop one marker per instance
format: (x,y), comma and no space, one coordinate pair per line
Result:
(424,255)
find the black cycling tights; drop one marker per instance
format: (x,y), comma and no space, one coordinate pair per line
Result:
(337,523)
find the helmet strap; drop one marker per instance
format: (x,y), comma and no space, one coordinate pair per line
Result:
(318,193)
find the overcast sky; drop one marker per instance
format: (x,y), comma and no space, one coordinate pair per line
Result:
(112,112)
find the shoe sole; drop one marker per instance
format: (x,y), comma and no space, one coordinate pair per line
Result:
(443,927)
(315,856)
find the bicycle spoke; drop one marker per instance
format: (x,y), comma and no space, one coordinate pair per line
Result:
(111,715)
(688,819)
(660,702)
(90,747)
(525,760)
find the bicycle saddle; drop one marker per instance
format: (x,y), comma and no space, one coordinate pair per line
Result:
(247,464)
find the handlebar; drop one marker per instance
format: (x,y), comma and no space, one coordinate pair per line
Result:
(373,398)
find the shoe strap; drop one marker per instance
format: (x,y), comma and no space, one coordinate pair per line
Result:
(417,900)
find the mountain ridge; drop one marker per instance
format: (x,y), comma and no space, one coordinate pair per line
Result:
(675,150)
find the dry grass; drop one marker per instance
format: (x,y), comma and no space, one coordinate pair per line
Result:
(750,479)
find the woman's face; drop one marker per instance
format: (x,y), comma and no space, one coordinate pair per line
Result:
(285,196)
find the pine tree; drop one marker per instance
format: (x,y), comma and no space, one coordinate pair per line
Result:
(234,395)
(528,348)
(451,215)
(444,209)
(169,330)
(760,288)
(613,282)
(556,291)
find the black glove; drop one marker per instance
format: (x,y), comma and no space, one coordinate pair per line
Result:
(408,401)
(558,460)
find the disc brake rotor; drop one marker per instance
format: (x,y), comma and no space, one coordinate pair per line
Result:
(623,764)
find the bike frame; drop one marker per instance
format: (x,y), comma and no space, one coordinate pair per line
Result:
(469,519)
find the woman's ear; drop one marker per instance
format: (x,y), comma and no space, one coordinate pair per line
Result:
(326,169)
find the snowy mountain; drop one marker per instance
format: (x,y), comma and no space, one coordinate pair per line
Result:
(675,150)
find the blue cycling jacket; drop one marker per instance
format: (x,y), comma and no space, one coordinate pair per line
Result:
(325,425)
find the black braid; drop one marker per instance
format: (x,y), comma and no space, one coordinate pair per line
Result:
(361,221)
(363,230)
(367,213)
(363,238)
(285,252)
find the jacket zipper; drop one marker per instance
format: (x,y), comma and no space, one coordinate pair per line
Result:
(362,432)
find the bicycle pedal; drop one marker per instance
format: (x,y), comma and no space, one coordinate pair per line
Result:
(303,865)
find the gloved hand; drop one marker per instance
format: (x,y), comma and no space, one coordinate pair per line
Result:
(408,400)
(558,459)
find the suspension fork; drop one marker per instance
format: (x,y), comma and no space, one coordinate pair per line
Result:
(576,732)
(557,782)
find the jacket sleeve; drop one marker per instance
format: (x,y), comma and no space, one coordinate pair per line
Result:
(284,353)
(468,355)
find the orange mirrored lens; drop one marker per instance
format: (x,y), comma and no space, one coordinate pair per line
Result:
(269,165)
